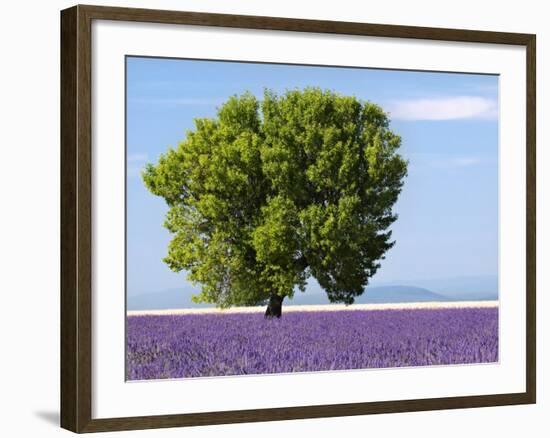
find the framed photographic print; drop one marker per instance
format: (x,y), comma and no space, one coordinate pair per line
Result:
(303,218)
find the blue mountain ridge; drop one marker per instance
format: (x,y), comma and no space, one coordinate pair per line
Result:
(448,289)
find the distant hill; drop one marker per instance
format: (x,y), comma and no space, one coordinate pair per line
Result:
(465,288)
(473,288)
(375,294)
(181,298)
(164,299)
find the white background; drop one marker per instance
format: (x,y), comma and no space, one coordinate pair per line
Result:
(112,397)
(29,235)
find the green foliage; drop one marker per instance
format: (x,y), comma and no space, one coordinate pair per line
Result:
(269,193)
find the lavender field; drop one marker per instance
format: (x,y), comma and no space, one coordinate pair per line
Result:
(175,346)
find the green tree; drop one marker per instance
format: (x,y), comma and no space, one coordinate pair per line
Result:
(269,193)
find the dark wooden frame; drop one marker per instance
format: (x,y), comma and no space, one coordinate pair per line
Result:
(76,218)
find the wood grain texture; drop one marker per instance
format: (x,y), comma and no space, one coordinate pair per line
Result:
(305,412)
(76,217)
(531,213)
(301,25)
(76,220)
(69,328)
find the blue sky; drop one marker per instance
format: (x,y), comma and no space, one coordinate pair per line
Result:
(448,210)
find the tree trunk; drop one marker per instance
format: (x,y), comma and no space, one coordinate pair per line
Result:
(274,307)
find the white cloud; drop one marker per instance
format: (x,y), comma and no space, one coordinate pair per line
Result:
(465,161)
(444,161)
(134,171)
(136,162)
(177,101)
(444,108)
(137,158)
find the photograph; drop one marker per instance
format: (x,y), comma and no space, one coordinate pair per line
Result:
(271,217)
(288,218)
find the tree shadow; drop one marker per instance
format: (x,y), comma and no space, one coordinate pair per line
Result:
(51,417)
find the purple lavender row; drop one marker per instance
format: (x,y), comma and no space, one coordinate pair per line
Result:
(175,346)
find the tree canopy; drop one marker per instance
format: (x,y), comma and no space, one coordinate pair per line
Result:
(271,192)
